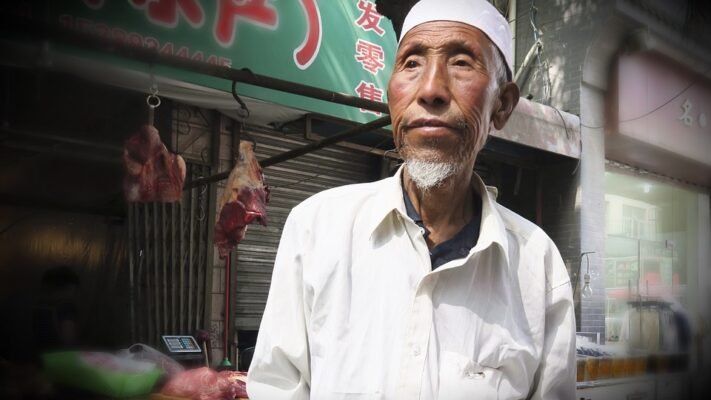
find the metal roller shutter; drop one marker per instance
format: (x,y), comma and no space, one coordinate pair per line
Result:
(168,256)
(291,182)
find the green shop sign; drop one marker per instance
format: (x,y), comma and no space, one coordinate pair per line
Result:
(339,45)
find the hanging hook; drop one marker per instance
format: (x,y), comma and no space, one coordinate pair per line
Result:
(251,139)
(153,102)
(244,111)
(239,134)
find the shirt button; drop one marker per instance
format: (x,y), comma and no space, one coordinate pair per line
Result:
(416,350)
(472,374)
(422,231)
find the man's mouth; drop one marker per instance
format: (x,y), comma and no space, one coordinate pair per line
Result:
(428,123)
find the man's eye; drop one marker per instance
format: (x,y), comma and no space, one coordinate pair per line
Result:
(460,63)
(411,64)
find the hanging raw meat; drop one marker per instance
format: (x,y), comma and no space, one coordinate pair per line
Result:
(152,172)
(244,201)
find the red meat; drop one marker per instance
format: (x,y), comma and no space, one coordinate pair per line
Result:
(200,384)
(244,201)
(152,172)
(238,380)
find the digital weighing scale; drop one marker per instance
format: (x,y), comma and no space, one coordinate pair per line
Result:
(183,348)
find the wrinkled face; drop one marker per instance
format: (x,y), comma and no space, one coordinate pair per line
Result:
(443,92)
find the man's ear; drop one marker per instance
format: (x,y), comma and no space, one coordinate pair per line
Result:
(508,100)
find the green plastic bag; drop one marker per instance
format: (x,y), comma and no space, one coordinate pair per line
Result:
(101,373)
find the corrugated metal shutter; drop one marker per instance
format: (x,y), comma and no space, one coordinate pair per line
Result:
(291,182)
(170,246)
(169,269)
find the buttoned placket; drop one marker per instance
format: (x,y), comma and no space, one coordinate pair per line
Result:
(420,322)
(421,318)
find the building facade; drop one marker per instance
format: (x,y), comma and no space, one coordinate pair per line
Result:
(637,75)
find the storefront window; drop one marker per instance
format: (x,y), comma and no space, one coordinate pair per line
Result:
(651,244)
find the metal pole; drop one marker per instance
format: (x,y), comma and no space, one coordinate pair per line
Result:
(288,155)
(22,29)
(131,267)
(639,294)
(52,33)
(228,287)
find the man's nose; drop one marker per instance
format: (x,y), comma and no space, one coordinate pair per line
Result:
(434,85)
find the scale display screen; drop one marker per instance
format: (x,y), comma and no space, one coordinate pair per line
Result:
(181,344)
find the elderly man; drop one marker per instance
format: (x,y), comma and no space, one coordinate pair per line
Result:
(420,286)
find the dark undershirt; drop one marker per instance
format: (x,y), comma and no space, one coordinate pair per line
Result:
(456,247)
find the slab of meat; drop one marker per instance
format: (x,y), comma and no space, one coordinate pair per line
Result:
(152,172)
(244,201)
(239,381)
(200,384)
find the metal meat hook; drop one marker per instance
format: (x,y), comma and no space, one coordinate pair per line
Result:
(239,134)
(153,102)
(244,111)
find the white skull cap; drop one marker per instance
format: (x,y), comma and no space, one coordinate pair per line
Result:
(478,13)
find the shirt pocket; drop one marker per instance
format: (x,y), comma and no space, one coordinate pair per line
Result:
(463,378)
(345,375)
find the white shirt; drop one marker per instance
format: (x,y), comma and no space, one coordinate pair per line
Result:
(356,312)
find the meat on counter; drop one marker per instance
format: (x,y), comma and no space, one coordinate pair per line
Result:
(206,384)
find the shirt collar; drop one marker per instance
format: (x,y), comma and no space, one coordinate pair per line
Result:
(410,208)
(493,227)
(391,204)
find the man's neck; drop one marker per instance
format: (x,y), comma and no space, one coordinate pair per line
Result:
(445,209)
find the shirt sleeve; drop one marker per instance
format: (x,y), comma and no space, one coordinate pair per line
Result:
(555,378)
(280,366)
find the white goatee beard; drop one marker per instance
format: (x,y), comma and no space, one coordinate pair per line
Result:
(430,174)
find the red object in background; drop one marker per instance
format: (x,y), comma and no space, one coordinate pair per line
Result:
(239,380)
(244,201)
(206,384)
(152,172)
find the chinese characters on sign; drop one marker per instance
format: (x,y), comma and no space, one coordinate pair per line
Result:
(293,40)
(370,55)
(307,51)
(254,11)
(369,18)
(228,15)
(369,91)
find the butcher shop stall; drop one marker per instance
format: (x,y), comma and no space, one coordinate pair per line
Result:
(150,152)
